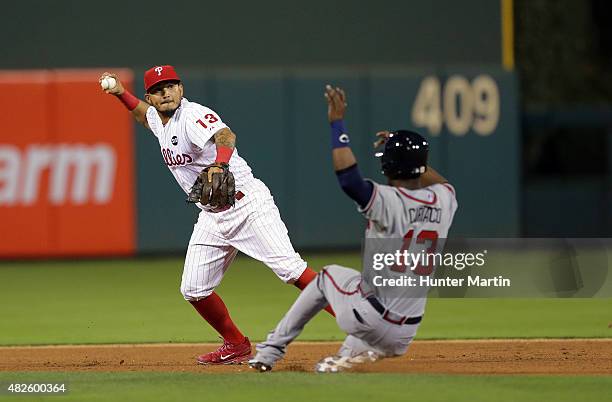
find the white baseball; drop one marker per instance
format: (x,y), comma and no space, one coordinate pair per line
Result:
(108,83)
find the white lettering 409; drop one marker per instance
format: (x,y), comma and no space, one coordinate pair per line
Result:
(78,173)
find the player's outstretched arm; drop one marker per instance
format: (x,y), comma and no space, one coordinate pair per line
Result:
(137,107)
(342,154)
(345,163)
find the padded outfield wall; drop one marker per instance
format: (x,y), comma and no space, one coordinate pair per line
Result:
(469,116)
(77,177)
(262,66)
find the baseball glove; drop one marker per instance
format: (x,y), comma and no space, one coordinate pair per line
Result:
(214,188)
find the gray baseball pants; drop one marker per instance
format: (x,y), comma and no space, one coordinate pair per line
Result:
(365,327)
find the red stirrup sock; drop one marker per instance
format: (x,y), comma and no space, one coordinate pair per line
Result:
(213,310)
(308,276)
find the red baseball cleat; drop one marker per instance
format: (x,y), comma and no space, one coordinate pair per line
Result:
(228,353)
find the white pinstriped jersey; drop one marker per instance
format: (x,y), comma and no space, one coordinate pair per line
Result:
(186,145)
(422,218)
(253,226)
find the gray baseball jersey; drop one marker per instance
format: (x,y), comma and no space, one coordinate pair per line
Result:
(424,214)
(421,219)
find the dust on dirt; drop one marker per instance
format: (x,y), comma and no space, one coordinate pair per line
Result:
(510,356)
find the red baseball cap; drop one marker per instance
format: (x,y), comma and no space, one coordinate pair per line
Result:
(158,74)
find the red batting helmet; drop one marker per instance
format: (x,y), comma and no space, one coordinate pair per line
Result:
(158,74)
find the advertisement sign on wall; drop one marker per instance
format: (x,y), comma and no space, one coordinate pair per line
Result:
(66,166)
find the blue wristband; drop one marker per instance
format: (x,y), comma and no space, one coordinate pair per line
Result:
(339,137)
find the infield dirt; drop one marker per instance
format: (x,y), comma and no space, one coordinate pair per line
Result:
(542,356)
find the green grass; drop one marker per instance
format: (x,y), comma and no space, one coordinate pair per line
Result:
(139,301)
(299,387)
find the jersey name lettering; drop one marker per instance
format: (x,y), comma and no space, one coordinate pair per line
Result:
(425,214)
(175,160)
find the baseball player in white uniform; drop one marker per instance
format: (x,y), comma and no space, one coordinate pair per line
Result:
(417,205)
(192,138)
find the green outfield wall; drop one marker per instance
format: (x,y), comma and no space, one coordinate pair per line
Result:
(87,33)
(469,116)
(262,66)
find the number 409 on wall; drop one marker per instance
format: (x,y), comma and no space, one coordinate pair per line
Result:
(461,105)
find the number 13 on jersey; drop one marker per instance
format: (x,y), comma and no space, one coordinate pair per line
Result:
(210,118)
(425,243)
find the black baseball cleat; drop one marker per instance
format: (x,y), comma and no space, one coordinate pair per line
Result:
(259,366)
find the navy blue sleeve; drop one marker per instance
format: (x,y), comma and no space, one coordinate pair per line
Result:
(354,185)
